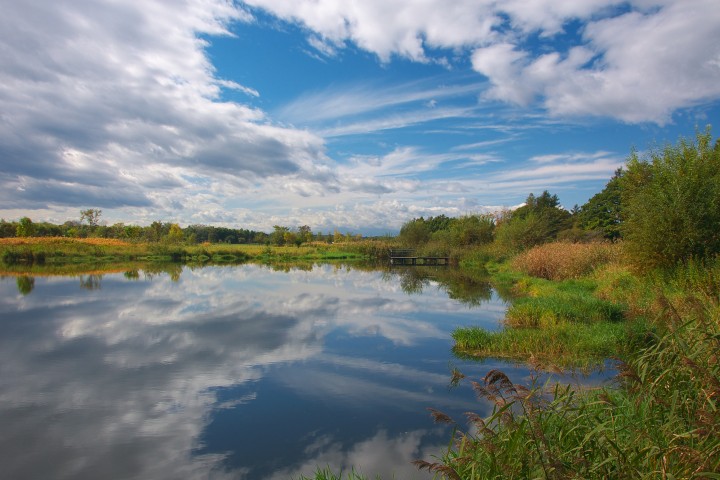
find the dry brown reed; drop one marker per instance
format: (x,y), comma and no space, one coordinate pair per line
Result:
(564,260)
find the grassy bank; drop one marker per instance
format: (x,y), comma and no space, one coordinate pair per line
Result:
(662,420)
(557,315)
(60,250)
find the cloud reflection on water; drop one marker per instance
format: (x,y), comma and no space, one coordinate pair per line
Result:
(131,380)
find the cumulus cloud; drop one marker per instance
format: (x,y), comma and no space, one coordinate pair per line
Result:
(391,28)
(92,93)
(636,61)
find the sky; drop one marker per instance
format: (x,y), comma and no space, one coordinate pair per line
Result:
(347,114)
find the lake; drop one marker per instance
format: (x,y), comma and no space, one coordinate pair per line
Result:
(237,372)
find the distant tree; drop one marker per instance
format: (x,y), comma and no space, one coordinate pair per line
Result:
(415,232)
(539,220)
(305,234)
(25,228)
(472,230)
(439,223)
(523,233)
(91,215)
(7,229)
(175,234)
(154,232)
(290,238)
(277,237)
(603,212)
(671,203)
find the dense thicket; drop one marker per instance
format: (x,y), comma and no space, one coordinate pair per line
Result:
(671,203)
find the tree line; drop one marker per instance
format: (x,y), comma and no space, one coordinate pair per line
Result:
(89,225)
(663,205)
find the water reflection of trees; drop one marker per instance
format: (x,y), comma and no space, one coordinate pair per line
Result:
(91,282)
(466,287)
(25,284)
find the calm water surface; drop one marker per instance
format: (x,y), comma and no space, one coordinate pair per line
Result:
(237,372)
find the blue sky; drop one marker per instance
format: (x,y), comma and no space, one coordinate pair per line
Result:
(338,113)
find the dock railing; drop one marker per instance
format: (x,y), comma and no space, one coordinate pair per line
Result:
(408,257)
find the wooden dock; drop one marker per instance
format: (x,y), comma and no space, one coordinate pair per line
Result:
(408,257)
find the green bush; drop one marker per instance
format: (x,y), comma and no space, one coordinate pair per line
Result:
(671,203)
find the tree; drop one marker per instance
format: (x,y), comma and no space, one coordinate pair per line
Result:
(277,237)
(92,215)
(603,213)
(671,203)
(175,234)
(538,221)
(25,228)
(7,229)
(472,230)
(415,232)
(305,234)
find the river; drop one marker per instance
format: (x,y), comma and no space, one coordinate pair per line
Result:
(238,372)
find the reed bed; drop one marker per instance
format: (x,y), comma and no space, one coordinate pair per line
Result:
(564,260)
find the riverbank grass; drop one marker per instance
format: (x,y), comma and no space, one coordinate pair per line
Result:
(59,250)
(561,321)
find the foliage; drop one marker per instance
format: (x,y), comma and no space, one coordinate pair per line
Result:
(25,227)
(671,203)
(472,230)
(175,234)
(91,215)
(539,220)
(603,212)
(415,232)
(522,233)
(446,233)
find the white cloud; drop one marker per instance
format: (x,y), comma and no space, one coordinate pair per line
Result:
(636,61)
(350,101)
(94,92)
(640,66)
(391,28)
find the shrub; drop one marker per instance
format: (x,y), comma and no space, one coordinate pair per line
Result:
(671,203)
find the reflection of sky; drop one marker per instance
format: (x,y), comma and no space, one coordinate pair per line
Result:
(228,372)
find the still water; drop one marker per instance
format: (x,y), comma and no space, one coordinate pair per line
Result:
(240,372)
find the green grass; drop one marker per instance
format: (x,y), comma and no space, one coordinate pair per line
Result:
(560,323)
(564,345)
(329,474)
(66,250)
(661,420)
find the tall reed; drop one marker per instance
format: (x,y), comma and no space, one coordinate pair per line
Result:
(661,420)
(563,260)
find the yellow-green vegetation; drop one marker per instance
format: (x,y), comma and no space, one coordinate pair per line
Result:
(328,474)
(661,421)
(59,250)
(564,322)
